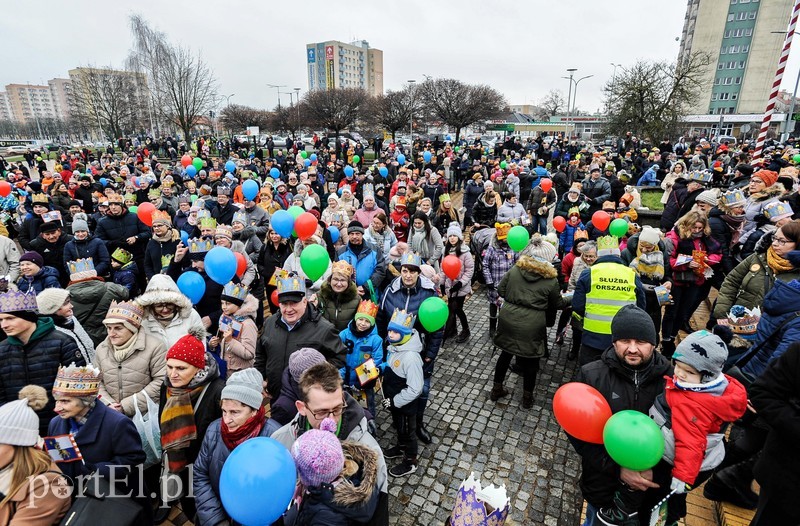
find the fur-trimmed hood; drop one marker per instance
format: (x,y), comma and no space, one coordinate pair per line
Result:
(329,296)
(162,289)
(249,308)
(538,268)
(360,475)
(769,192)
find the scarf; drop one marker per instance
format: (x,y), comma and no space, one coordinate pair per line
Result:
(249,429)
(178,428)
(419,243)
(122,352)
(649,264)
(169,236)
(6,475)
(777,263)
(735,224)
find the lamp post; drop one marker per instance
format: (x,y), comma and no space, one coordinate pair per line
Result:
(278,91)
(569,100)
(297,102)
(411,84)
(575,96)
(614,75)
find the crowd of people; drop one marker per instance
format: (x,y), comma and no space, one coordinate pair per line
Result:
(100,327)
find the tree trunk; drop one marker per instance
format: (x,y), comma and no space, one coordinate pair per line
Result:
(338,145)
(458,133)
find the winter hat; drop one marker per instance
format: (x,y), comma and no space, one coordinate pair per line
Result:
(768,176)
(650,235)
(704,351)
(19,424)
(50,300)
(488,185)
(454,229)
(633,323)
(355,227)
(245,386)
(128,313)
(50,226)
(318,455)
(303,359)
(33,257)
(540,250)
(707,196)
(79,225)
(746,169)
(189,349)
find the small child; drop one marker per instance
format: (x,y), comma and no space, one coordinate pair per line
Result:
(691,411)
(574,225)
(235,342)
(402,386)
(124,270)
(363,343)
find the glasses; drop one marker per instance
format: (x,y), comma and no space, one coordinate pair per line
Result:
(780,241)
(320,414)
(163,306)
(756,180)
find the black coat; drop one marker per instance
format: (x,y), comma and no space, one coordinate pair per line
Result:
(224,214)
(53,255)
(29,231)
(723,235)
(153,253)
(673,205)
(114,230)
(91,247)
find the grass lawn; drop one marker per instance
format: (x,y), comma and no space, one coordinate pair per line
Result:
(652,199)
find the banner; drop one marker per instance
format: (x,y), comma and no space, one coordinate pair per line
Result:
(312,55)
(330,81)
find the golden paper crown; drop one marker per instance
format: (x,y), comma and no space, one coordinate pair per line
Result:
(342,267)
(115,198)
(130,197)
(607,243)
(367,308)
(239,217)
(235,290)
(402,322)
(82,265)
(501,230)
(208,222)
(77,381)
(199,245)
(160,216)
(733,198)
(40,199)
(291,284)
(777,210)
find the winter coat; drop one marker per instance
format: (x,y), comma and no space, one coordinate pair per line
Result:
(432,242)
(497,261)
(277,342)
(162,289)
(125,276)
(208,469)
(564,205)
(512,212)
(224,214)
(36,503)
(748,283)
(9,259)
(292,264)
(360,348)
(210,304)
(683,275)
(369,264)
(781,304)
(141,373)
(53,255)
(258,219)
(755,208)
(283,407)
(380,244)
(623,388)
(482,213)
(578,266)
(158,254)
(472,191)
(532,295)
(29,231)
(464,276)
(36,362)
(628,254)
(46,278)
(722,234)
(676,200)
(339,309)
(91,300)
(598,191)
(115,230)
(538,199)
(91,247)
(77,333)
(239,353)
(441,221)
(566,239)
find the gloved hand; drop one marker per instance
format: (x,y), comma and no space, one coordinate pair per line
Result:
(679,486)
(456,287)
(387,403)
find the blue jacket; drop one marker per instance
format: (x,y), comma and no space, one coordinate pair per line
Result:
(780,303)
(91,247)
(369,265)
(359,350)
(567,238)
(208,468)
(126,276)
(649,178)
(47,278)
(108,438)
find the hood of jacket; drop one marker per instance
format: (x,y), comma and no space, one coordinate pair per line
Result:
(44,326)
(329,296)
(534,270)
(782,299)
(359,460)
(162,289)
(769,192)
(45,272)
(249,308)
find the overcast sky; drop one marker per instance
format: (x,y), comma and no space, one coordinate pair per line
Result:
(521,48)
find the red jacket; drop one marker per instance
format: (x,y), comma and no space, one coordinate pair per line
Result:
(695,415)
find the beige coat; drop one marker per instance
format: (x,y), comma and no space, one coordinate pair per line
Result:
(141,372)
(240,353)
(39,503)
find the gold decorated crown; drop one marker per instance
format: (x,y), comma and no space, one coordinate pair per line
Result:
(501,230)
(77,381)
(607,243)
(115,198)
(160,216)
(208,222)
(342,267)
(733,198)
(239,217)
(743,321)
(153,193)
(40,199)
(367,308)
(777,210)
(204,212)
(401,321)
(574,212)
(700,176)
(411,259)
(291,284)
(18,301)
(235,290)
(130,197)
(126,311)
(199,245)
(122,255)
(368,190)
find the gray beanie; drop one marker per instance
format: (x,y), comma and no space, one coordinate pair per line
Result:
(303,359)
(245,386)
(79,225)
(50,300)
(704,351)
(19,424)
(633,323)
(454,229)
(540,249)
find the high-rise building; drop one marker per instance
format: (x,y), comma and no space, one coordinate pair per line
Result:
(740,37)
(5,108)
(61,94)
(29,102)
(334,64)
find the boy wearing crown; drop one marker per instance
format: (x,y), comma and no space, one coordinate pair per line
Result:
(363,344)
(402,387)
(235,342)
(124,271)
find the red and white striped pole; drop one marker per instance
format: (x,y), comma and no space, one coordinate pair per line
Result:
(773,96)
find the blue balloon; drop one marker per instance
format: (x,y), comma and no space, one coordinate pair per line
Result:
(334,232)
(282,222)
(448,138)
(383,171)
(191,171)
(250,190)
(274,172)
(257,481)
(185,238)
(307,162)
(192,285)
(104,181)
(230,166)
(313,157)
(401,159)
(426,156)
(348,171)
(220,264)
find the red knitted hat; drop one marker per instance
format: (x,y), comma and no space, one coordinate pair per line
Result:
(190,350)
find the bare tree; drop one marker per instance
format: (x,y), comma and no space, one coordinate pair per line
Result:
(459,105)
(335,109)
(108,98)
(551,104)
(650,99)
(237,117)
(289,118)
(393,111)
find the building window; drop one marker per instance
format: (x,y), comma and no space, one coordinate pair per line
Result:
(717,81)
(724,50)
(737,80)
(728,81)
(751,15)
(741,64)
(730,17)
(732,64)
(746,48)
(734,96)
(713,97)
(723,96)
(747,32)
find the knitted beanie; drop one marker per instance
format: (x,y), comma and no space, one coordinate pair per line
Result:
(355,227)
(79,225)
(189,349)
(707,196)
(50,300)
(768,176)
(650,235)
(633,323)
(318,455)
(302,360)
(540,249)
(245,386)
(704,351)
(454,229)
(33,257)
(19,424)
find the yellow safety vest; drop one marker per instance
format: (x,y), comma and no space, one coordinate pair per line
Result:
(613,287)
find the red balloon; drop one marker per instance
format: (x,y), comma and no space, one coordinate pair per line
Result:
(582,411)
(451,266)
(5,188)
(546,184)
(274,297)
(241,264)
(145,213)
(559,223)
(186,160)
(305,225)
(601,220)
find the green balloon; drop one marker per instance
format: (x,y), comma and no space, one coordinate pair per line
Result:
(796,158)
(356,159)
(314,261)
(518,238)
(193,198)
(503,165)
(304,154)
(295,211)
(133,209)
(197,162)
(457,148)
(633,440)
(433,314)
(618,227)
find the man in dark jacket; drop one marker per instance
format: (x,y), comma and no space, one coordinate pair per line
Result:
(121,229)
(193,259)
(629,375)
(597,189)
(224,210)
(84,194)
(83,245)
(684,192)
(50,244)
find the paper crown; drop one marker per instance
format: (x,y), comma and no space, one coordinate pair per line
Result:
(733,199)
(40,199)
(367,308)
(204,212)
(574,212)
(368,189)
(580,234)
(223,190)
(77,381)
(501,230)
(207,222)
(607,243)
(477,506)
(342,267)
(401,201)
(777,210)
(401,321)
(235,290)
(411,259)
(744,322)
(130,197)
(160,216)
(700,176)
(224,231)
(127,311)
(444,197)
(153,193)
(115,198)
(291,284)
(184,198)
(337,216)
(81,269)
(122,255)
(240,217)
(199,245)
(18,301)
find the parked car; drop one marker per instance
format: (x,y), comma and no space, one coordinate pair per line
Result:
(19,150)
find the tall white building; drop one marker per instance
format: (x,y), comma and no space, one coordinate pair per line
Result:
(334,64)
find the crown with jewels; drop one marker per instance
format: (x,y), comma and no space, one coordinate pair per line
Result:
(478,506)
(777,210)
(368,190)
(208,222)
(367,308)
(115,198)
(127,311)
(235,290)
(224,231)
(342,267)
(40,199)
(18,301)
(700,176)
(200,245)
(291,283)
(239,217)
(402,321)
(607,243)
(122,255)
(77,381)
(580,234)
(130,197)
(160,216)
(401,201)
(743,321)
(411,259)
(733,199)
(81,268)
(153,193)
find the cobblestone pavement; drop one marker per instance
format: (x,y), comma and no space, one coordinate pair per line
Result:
(525,449)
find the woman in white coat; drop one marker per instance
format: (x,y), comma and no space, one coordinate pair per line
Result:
(168,314)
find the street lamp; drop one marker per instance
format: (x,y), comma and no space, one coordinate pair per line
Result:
(614,75)
(569,100)
(297,97)
(786,130)
(575,96)
(278,91)
(411,84)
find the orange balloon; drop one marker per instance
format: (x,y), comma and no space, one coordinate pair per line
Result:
(145,213)
(241,264)
(559,223)
(451,266)
(305,225)
(582,411)
(601,220)
(546,184)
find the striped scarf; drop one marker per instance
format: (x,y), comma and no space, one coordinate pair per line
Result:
(177,425)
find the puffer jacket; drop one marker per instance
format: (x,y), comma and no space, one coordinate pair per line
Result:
(464,277)
(338,309)
(482,213)
(157,251)
(755,208)
(240,353)
(114,230)
(360,348)
(781,307)
(36,362)
(46,278)
(91,247)
(91,300)
(141,373)
(369,264)
(9,259)
(162,289)
(257,220)
(472,191)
